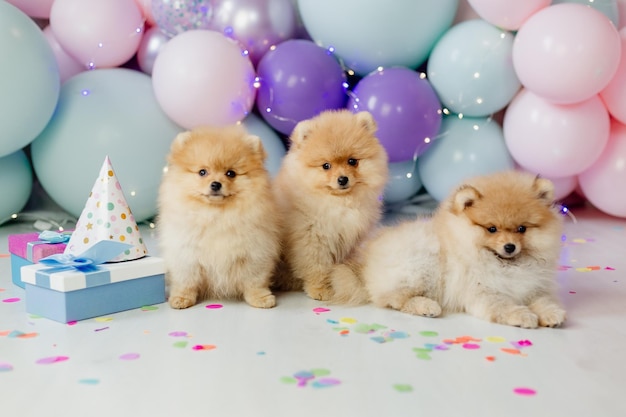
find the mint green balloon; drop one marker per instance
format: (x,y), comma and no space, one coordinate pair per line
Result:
(105,112)
(29,79)
(16,183)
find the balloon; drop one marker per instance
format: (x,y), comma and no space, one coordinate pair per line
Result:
(297,81)
(149,48)
(146,9)
(405,107)
(603,184)
(614,95)
(368,34)
(255,24)
(466,147)
(39,9)
(470,69)
(566,53)
(404,181)
(68,66)
(105,112)
(507,14)
(29,80)
(464,12)
(273,144)
(555,140)
(609,8)
(174,17)
(98,33)
(16,183)
(564,186)
(201,77)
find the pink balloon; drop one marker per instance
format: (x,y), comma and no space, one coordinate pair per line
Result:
(566,53)
(146,9)
(98,33)
(614,95)
(68,66)
(507,14)
(34,8)
(202,77)
(555,140)
(603,184)
(564,186)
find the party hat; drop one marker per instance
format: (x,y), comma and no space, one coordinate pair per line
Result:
(106,216)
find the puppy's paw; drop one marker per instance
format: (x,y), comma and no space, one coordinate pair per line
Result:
(521,317)
(180,302)
(320,293)
(260,299)
(553,317)
(422,306)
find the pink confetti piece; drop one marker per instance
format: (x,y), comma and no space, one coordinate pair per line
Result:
(572,292)
(6,367)
(177,334)
(609,268)
(524,343)
(527,392)
(11,300)
(471,346)
(319,310)
(101,329)
(72,323)
(130,356)
(204,347)
(51,359)
(214,306)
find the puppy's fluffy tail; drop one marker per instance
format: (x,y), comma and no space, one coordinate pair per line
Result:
(348,286)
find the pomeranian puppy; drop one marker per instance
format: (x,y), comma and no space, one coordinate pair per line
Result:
(217,220)
(491,249)
(329,189)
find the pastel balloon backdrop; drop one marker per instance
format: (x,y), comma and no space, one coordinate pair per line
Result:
(174,17)
(98,33)
(105,112)
(566,53)
(16,183)
(68,65)
(404,181)
(255,24)
(614,95)
(367,34)
(298,80)
(149,47)
(603,184)
(507,14)
(29,80)
(201,77)
(273,144)
(39,9)
(466,147)
(405,107)
(609,8)
(470,68)
(555,140)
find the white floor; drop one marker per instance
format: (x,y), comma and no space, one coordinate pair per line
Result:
(304,358)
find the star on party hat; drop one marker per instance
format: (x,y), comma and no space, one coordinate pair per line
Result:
(106,216)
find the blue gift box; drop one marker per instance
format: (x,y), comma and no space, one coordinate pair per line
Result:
(68,294)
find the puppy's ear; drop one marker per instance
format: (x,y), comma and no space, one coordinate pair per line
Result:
(181,139)
(256,145)
(464,198)
(544,190)
(366,120)
(301,132)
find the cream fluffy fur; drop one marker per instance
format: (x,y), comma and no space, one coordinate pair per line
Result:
(218,223)
(329,190)
(490,250)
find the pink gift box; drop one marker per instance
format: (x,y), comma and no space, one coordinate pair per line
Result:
(27,249)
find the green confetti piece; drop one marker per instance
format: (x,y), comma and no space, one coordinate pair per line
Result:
(378,326)
(403,387)
(320,372)
(363,328)
(429,333)
(181,344)
(424,356)
(422,350)
(288,380)
(149,308)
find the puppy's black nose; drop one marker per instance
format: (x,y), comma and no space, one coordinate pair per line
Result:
(216,186)
(509,248)
(343,181)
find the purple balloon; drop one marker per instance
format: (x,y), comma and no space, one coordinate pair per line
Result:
(406,109)
(297,81)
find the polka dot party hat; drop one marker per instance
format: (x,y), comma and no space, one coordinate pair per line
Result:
(106,216)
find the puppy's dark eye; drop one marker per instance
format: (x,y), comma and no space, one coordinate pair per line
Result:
(231,174)
(326,166)
(521,229)
(353,162)
(492,229)
(202,172)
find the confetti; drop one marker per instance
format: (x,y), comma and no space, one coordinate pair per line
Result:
(318,310)
(512,351)
(51,359)
(130,356)
(72,323)
(204,347)
(103,319)
(325,383)
(495,339)
(471,346)
(524,343)
(177,334)
(214,306)
(524,391)
(89,381)
(101,329)
(149,308)
(609,268)
(403,387)
(11,300)
(490,358)
(6,367)
(429,333)
(348,320)
(316,378)
(28,335)
(181,344)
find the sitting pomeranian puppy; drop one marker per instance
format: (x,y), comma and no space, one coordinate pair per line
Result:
(218,223)
(329,189)
(491,250)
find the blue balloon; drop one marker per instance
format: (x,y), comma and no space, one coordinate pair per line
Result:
(29,80)
(610,8)
(404,181)
(105,112)
(16,184)
(465,147)
(471,69)
(273,144)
